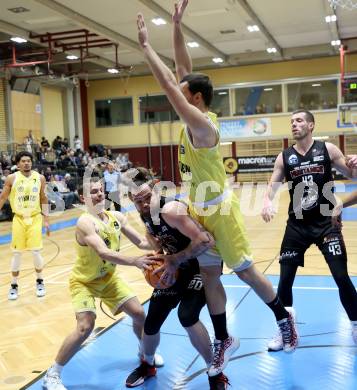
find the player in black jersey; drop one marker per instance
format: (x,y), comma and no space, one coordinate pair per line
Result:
(307,168)
(180,239)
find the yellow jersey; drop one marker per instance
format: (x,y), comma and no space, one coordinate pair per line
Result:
(25,194)
(89,266)
(201,165)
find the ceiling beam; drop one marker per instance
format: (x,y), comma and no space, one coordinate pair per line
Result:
(249,10)
(93,26)
(186,30)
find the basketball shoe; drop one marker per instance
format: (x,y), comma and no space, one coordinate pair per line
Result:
(140,374)
(52,381)
(40,288)
(222,351)
(218,382)
(13,292)
(287,337)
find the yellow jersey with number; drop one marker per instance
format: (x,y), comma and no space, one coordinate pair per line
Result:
(201,166)
(25,194)
(89,266)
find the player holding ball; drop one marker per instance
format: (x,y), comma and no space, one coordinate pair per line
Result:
(180,239)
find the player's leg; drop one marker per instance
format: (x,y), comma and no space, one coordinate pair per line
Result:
(18,244)
(161,303)
(334,251)
(34,243)
(84,305)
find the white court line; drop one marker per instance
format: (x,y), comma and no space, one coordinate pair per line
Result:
(295,288)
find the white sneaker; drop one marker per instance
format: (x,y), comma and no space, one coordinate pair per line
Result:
(52,381)
(13,292)
(354,334)
(40,288)
(222,351)
(288,328)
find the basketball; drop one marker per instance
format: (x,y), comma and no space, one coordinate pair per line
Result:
(153,279)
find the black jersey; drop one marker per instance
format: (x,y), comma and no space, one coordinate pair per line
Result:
(171,239)
(306,176)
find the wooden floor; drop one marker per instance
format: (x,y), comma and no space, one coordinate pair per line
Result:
(32,329)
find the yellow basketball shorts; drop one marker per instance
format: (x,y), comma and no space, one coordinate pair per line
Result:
(26,233)
(112,290)
(227,227)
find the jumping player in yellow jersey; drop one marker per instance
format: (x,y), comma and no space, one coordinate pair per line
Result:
(97,246)
(26,192)
(201,165)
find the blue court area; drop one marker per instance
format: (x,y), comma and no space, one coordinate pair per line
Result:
(325,359)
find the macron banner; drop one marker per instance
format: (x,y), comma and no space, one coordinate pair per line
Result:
(248,164)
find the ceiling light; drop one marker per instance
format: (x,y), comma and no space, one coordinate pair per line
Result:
(316,85)
(268,89)
(193,44)
(271,50)
(18,39)
(72,57)
(158,21)
(113,70)
(253,28)
(223,93)
(18,10)
(217,60)
(337,42)
(330,18)
(225,143)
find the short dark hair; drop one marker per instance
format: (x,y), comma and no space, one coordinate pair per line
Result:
(23,154)
(308,115)
(143,176)
(199,82)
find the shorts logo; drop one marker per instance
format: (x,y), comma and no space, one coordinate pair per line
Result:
(182,149)
(116,225)
(293,159)
(288,255)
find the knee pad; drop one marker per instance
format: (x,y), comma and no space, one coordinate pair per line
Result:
(37,260)
(151,329)
(15,262)
(187,319)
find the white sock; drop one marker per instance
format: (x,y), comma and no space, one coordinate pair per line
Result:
(14,280)
(150,359)
(56,368)
(39,275)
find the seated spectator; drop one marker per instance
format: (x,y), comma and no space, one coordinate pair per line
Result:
(44,143)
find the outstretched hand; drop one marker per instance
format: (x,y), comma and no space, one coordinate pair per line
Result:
(179,10)
(143,35)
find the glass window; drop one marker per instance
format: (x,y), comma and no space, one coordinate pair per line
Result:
(258,100)
(114,112)
(156,109)
(350,91)
(312,95)
(220,102)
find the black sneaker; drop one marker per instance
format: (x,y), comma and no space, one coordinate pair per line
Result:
(218,382)
(13,292)
(140,374)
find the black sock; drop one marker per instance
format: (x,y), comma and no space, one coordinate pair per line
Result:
(278,309)
(219,322)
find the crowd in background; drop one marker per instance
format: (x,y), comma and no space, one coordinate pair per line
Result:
(63,166)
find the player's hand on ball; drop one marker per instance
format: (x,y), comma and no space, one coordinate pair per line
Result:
(168,269)
(144,262)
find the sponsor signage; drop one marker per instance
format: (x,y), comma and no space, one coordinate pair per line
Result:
(238,128)
(247,164)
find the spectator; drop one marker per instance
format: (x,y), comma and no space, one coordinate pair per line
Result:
(112,181)
(77,143)
(44,143)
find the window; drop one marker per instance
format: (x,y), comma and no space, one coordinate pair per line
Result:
(258,100)
(156,109)
(114,112)
(312,95)
(220,102)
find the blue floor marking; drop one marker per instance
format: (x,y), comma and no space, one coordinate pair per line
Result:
(325,359)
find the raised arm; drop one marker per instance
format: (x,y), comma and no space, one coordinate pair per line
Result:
(182,57)
(88,235)
(198,123)
(6,190)
(338,161)
(274,184)
(133,235)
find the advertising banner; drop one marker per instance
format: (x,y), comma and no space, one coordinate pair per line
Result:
(248,164)
(238,128)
